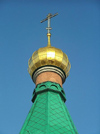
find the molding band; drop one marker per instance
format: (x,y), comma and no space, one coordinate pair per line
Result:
(49,69)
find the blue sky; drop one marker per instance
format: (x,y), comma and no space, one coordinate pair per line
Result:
(76,30)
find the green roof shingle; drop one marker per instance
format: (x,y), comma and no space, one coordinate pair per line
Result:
(48,114)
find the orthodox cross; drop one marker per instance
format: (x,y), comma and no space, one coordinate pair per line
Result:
(49,16)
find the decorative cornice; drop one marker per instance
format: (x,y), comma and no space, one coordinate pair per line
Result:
(48,87)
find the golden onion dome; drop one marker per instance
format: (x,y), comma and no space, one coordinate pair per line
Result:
(49,58)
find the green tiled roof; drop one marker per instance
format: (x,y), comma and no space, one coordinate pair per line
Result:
(48,114)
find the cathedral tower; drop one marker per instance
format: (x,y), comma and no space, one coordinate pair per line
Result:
(48,67)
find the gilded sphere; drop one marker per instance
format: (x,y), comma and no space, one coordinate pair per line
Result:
(49,56)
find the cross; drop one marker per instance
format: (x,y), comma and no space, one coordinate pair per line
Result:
(49,16)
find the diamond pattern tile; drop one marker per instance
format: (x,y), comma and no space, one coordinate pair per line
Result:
(48,114)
